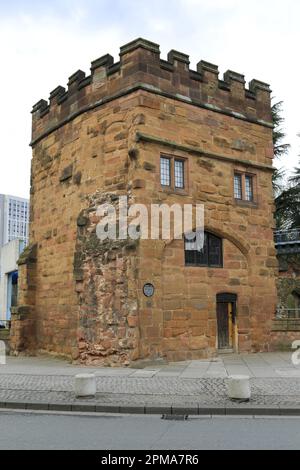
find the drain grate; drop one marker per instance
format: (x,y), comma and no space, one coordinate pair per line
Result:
(175,417)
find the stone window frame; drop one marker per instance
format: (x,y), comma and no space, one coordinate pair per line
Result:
(244,201)
(172,188)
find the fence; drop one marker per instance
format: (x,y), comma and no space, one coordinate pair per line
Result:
(287,313)
(286,237)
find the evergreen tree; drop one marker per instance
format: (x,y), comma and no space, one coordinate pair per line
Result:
(288,203)
(280,148)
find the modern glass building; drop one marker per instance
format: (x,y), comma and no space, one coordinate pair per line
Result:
(14,219)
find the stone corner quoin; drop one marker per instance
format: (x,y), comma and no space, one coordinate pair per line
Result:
(103,137)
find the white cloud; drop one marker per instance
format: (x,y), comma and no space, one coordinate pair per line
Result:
(37,56)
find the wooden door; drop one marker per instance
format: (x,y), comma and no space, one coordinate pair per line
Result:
(223,325)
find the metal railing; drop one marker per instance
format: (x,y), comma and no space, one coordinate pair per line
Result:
(5,324)
(288,313)
(287,237)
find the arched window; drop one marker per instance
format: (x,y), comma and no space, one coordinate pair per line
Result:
(210,255)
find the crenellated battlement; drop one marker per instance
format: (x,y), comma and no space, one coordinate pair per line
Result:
(141,68)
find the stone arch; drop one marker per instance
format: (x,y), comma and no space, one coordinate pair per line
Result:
(226,234)
(189,297)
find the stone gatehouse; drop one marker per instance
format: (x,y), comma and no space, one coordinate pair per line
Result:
(157,132)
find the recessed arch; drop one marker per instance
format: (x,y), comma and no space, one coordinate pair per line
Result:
(209,253)
(226,234)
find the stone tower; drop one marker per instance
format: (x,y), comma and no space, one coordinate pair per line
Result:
(109,135)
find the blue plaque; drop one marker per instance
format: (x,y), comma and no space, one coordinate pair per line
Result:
(148,290)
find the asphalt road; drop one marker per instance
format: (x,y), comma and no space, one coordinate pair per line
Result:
(20,430)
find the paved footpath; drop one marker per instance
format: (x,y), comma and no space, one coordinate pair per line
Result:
(193,387)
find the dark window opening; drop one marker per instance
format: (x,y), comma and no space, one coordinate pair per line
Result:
(211,255)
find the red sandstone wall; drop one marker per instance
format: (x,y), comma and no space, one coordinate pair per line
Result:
(93,141)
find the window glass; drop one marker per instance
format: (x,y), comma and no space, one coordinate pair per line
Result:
(237,186)
(215,251)
(179,174)
(209,255)
(165,178)
(248,188)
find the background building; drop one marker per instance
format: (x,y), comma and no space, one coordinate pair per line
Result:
(14,219)
(14,223)
(9,255)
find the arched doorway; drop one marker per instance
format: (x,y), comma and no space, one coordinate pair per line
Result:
(227,322)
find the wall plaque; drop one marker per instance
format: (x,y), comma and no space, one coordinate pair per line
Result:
(148,290)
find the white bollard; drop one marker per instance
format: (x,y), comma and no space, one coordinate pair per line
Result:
(85,385)
(239,387)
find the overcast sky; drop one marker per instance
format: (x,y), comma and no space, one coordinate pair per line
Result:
(43,42)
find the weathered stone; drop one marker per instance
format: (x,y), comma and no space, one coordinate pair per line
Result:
(149,166)
(139,119)
(77,178)
(133,154)
(66,174)
(271,263)
(85,295)
(138,184)
(29,255)
(82,221)
(243,145)
(48,234)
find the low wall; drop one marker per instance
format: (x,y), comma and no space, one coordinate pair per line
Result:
(284,332)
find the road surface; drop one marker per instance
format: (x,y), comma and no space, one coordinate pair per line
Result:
(35,430)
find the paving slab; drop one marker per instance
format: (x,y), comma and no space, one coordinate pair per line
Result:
(262,373)
(144,373)
(38,383)
(288,372)
(193,375)
(163,373)
(238,370)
